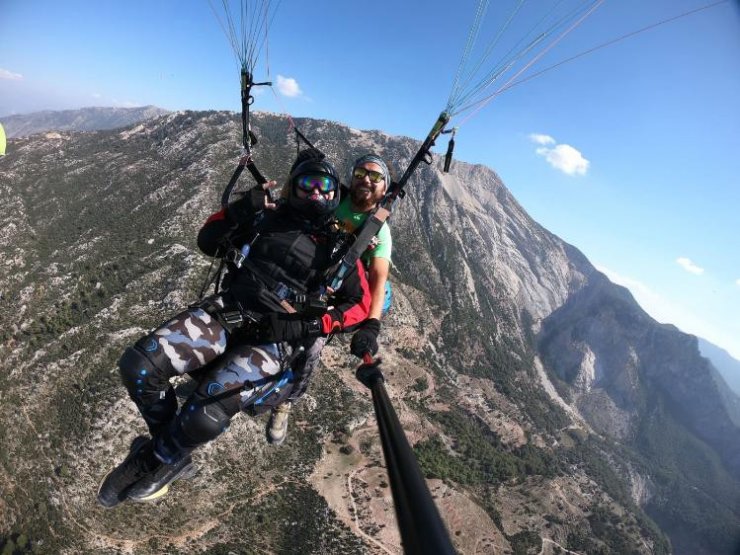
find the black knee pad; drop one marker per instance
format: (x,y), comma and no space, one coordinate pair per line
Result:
(205,415)
(148,385)
(201,423)
(141,375)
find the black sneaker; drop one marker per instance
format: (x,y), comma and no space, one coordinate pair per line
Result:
(157,482)
(116,483)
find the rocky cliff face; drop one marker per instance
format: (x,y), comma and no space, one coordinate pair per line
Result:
(646,386)
(726,365)
(547,410)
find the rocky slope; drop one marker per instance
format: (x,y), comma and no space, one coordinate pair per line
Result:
(547,410)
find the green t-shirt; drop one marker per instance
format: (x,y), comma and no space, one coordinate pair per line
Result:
(353,220)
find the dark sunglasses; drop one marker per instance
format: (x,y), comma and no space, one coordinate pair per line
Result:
(323,183)
(360,173)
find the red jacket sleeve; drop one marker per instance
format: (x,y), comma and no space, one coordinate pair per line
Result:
(352,302)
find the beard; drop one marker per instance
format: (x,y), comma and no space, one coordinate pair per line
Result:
(363,197)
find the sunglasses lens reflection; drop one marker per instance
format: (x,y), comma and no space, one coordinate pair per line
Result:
(375,177)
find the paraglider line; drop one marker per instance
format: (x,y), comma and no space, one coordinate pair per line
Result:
(560,37)
(481,103)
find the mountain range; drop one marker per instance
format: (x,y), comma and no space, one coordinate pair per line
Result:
(548,411)
(85,119)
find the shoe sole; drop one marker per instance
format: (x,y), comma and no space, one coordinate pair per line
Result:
(185,474)
(156,495)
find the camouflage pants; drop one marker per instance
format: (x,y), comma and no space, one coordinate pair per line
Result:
(228,376)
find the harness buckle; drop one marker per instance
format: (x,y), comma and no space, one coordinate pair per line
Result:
(236,257)
(232,317)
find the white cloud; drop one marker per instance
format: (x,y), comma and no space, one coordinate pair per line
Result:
(97,96)
(541,139)
(737,282)
(565,158)
(288,86)
(561,156)
(689,266)
(10,76)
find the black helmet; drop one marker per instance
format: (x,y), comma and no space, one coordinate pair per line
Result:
(311,153)
(313,207)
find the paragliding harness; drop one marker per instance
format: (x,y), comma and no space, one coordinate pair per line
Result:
(236,259)
(269,392)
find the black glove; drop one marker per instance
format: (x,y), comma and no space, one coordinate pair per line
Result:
(278,327)
(247,206)
(365,340)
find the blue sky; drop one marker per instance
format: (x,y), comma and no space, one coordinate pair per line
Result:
(629,153)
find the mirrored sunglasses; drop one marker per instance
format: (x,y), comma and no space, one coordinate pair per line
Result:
(360,173)
(323,183)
